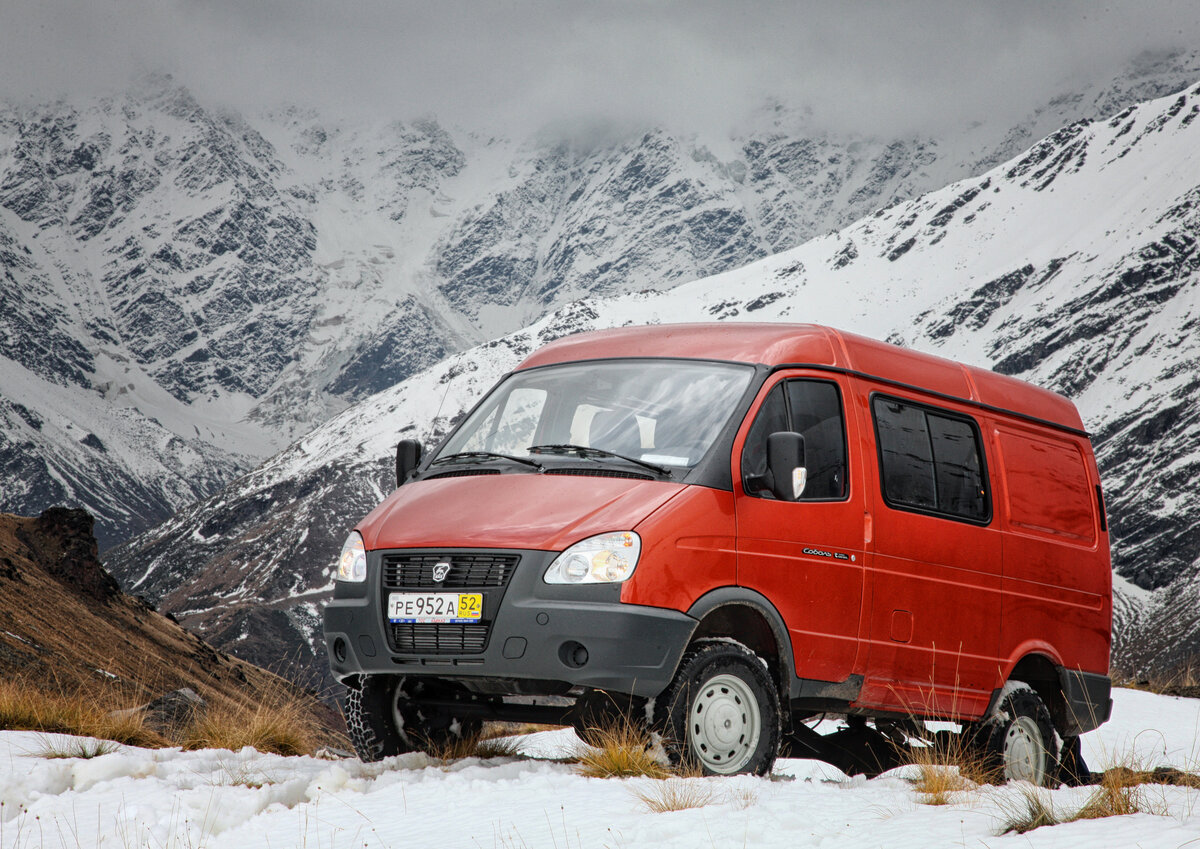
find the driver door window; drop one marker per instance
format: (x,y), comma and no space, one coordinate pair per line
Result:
(812,408)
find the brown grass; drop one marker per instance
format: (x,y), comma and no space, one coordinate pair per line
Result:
(1180,680)
(279,725)
(1033,808)
(675,794)
(105,710)
(475,746)
(1122,791)
(85,713)
(513,729)
(948,764)
(623,751)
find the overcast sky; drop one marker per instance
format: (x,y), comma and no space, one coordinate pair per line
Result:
(868,64)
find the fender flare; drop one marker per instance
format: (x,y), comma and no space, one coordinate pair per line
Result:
(740,596)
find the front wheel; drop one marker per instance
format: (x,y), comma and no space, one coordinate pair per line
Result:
(389,715)
(721,711)
(1019,737)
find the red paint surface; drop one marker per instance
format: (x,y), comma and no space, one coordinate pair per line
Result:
(546,512)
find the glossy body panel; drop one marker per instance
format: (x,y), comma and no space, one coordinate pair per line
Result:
(511,511)
(1057,577)
(688,550)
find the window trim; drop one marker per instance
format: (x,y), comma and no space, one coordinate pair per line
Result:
(766,389)
(976,430)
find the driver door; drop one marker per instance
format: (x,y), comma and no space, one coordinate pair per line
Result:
(805,556)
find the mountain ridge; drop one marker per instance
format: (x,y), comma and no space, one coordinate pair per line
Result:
(193,288)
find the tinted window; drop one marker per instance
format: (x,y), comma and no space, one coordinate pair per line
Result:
(930,461)
(812,408)
(816,412)
(771,418)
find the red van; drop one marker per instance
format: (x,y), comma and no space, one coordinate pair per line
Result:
(730,528)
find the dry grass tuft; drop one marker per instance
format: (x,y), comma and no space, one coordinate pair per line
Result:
(280,726)
(948,764)
(621,751)
(743,798)
(1119,793)
(676,794)
(83,748)
(84,713)
(474,746)
(1180,680)
(1033,808)
(513,729)
(1122,790)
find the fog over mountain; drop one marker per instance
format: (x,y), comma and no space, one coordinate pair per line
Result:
(878,67)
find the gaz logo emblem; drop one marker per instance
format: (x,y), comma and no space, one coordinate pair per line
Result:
(440,571)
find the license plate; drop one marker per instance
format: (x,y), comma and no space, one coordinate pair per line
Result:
(435,607)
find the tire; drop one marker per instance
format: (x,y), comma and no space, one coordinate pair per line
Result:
(369,721)
(385,716)
(1019,739)
(721,711)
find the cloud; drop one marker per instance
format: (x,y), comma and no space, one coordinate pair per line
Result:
(882,64)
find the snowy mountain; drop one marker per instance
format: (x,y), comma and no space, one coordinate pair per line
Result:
(1074,265)
(187,290)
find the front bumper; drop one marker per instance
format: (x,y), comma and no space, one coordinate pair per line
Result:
(535,634)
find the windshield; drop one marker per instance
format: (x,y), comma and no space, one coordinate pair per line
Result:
(665,412)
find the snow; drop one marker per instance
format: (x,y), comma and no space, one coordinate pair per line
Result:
(214,798)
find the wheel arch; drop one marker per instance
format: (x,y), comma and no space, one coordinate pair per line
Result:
(748,617)
(1047,678)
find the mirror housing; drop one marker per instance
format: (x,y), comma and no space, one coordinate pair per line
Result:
(408,457)
(785,462)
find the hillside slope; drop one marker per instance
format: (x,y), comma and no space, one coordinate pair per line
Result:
(66,627)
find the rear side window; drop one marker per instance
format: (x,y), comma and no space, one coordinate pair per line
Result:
(930,461)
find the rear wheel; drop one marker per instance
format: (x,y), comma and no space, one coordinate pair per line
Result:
(389,715)
(1019,737)
(721,712)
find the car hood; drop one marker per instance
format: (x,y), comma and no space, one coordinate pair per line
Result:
(530,511)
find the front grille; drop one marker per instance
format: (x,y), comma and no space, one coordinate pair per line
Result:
(415,571)
(470,570)
(601,473)
(429,638)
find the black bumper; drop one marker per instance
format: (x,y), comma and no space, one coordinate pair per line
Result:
(535,631)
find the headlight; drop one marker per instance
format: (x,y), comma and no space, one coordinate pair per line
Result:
(604,559)
(352,565)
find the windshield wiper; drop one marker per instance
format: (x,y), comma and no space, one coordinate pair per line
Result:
(486,455)
(596,454)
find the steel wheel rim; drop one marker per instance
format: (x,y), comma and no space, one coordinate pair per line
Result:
(1024,752)
(724,724)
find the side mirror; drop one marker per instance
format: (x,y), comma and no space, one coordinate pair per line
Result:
(408,457)
(785,462)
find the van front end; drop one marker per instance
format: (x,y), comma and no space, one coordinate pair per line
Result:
(518,635)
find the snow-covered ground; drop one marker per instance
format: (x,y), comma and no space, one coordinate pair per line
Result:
(187,800)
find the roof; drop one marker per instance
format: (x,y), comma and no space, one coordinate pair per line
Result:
(813,344)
